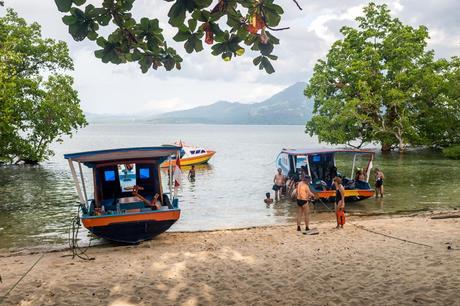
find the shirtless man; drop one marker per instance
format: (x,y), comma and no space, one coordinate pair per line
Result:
(304,196)
(279,182)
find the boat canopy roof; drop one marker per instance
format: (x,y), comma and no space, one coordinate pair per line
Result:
(101,156)
(324,151)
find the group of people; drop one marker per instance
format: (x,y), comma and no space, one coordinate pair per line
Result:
(304,195)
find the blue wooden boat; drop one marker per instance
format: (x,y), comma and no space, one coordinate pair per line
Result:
(129,204)
(321,166)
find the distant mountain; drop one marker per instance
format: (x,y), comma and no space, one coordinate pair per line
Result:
(286,107)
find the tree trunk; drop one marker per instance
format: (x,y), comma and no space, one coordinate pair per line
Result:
(30,162)
(386,148)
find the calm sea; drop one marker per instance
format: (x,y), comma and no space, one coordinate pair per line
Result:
(36,203)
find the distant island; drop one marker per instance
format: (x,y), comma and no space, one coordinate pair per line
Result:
(287,107)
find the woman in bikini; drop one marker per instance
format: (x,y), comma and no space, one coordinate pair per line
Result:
(339,201)
(379,182)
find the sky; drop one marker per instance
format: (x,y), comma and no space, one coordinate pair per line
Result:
(205,79)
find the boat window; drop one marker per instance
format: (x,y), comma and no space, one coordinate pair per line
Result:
(109,175)
(202,151)
(192,152)
(316,158)
(144,173)
(127,175)
(300,161)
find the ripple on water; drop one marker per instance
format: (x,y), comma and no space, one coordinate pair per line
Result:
(37,203)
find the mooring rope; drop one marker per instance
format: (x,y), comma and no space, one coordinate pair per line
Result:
(390,236)
(22,277)
(377,233)
(77,251)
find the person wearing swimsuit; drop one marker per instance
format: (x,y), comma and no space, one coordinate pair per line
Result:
(339,200)
(304,195)
(279,182)
(379,182)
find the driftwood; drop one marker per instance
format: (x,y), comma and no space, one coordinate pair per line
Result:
(446,217)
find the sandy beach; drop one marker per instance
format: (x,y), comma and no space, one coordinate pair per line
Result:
(256,266)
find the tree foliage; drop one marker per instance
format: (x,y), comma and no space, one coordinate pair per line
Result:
(34,110)
(226,26)
(380,84)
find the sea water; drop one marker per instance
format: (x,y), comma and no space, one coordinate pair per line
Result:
(37,203)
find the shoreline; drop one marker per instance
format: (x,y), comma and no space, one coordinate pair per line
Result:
(7,252)
(261,265)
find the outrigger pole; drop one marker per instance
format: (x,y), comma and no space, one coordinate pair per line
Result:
(353,166)
(77,183)
(83,183)
(170,177)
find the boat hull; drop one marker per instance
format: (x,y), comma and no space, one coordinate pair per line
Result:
(350,194)
(131,228)
(189,161)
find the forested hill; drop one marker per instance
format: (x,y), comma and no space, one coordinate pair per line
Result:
(286,107)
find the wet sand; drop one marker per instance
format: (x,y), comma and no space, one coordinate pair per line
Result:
(256,266)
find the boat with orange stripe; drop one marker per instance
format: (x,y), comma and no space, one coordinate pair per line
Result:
(129,204)
(321,165)
(191,155)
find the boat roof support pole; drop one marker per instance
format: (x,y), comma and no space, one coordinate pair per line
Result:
(308,167)
(353,166)
(75,180)
(170,177)
(369,167)
(83,183)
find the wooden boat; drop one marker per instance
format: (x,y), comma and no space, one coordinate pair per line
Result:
(126,181)
(321,166)
(191,155)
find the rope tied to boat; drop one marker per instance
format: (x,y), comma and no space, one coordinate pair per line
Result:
(21,278)
(375,232)
(77,251)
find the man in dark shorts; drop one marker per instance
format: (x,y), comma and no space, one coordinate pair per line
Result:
(304,195)
(278,183)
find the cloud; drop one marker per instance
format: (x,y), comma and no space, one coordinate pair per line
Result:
(204,79)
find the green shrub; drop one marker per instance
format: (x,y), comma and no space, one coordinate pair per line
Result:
(452,152)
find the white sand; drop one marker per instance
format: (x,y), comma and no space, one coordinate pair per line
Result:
(261,266)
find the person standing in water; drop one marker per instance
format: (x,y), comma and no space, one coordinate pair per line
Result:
(379,182)
(339,201)
(304,195)
(191,174)
(278,184)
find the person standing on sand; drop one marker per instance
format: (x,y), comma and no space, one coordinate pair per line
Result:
(379,182)
(304,195)
(339,200)
(278,184)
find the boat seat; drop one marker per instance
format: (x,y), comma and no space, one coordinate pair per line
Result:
(362,185)
(126,203)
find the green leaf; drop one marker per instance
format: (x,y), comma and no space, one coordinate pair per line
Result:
(69,19)
(257,60)
(189,45)
(92,35)
(265,63)
(198,45)
(63,5)
(192,25)
(182,36)
(177,13)
(266,49)
(79,2)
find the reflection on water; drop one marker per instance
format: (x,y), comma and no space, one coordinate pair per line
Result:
(36,203)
